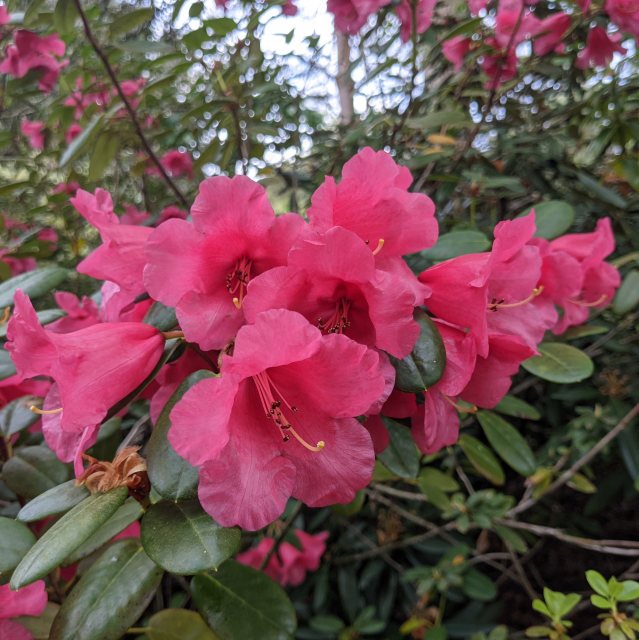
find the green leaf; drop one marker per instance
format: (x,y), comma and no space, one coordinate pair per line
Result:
(66,535)
(161,317)
(78,144)
(104,150)
(629,591)
(40,627)
(16,416)
(627,297)
(584,331)
(221,26)
(127,514)
(401,456)
(33,470)
(511,537)
(449,117)
(600,602)
(182,538)
(7,368)
(597,582)
(457,243)
(34,283)
(552,218)
(326,624)
(172,476)
(239,602)
(508,443)
(425,365)
(15,541)
(64,16)
(482,458)
(560,363)
(53,502)
(478,586)
(178,624)
(517,408)
(144,46)
(130,21)
(434,484)
(609,196)
(110,596)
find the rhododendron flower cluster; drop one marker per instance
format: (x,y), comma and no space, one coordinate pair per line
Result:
(290,562)
(297,324)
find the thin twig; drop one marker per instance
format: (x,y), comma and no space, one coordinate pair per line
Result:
(127,105)
(584,460)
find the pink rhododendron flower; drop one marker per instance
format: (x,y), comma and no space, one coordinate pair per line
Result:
(625,14)
(289,8)
(28,601)
(33,52)
(549,33)
(133,215)
(600,49)
(423,12)
(331,279)
(599,279)
(513,24)
(372,200)
(351,15)
(172,211)
(94,367)
(5,18)
(80,313)
(177,163)
(476,6)
(279,421)
(65,187)
(34,132)
(499,68)
(455,50)
(204,267)
(120,259)
(72,133)
(288,565)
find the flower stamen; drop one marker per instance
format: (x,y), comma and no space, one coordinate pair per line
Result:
(338,322)
(499,304)
(595,303)
(237,280)
(379,247)
(45,412)
(267,391)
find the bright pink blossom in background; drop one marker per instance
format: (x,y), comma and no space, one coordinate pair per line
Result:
(288,565)
(133,215)
(28,601)
(279,421)
(94,367)
(81,313)
(549,33)
(600,49)
(289,8)
(625,14)
(351,15)
(456,49)
(31,52)
(4,15)
(172,211)
(177,163)
(34,132)
(72,132)
(423,13)
(203,267)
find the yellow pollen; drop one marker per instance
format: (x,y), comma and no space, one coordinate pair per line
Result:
(44,412)
(493,306)
(318,447)
(237,303)
(379,247)
(602,298)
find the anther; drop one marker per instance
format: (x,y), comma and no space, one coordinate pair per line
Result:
(237,303)
(379,247)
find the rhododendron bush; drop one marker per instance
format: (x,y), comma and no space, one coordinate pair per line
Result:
(319,319)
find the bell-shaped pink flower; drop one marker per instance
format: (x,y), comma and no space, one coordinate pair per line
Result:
(203,267)
(625,14)
(28,601)
(94,367)
(600,49)
(549,33)
(372,200)
(351,15)
(423,12)
(120,258)
(280,421)
(289,565)
(34,132)
(332,281)
(455,50)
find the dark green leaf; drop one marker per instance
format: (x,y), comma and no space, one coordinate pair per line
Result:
(104,151)
(7,368)
(457,243)
(479,586)
(552,218)
(34,283)
(34,470)
(66,535)
(53,502)
(64,16)
(425,365)
(130,21)
(238,602)
(182,538)
(435,120)
(482,458)
(401,456)
(178,624)
(627,297)
(15,540)
(559,362)
(508,443)
(16,416)
(517,408)
(172,476)
(110,596)
(161,317)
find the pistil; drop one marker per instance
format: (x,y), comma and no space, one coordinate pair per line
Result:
(44,412)
(271,400)
(499,304)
